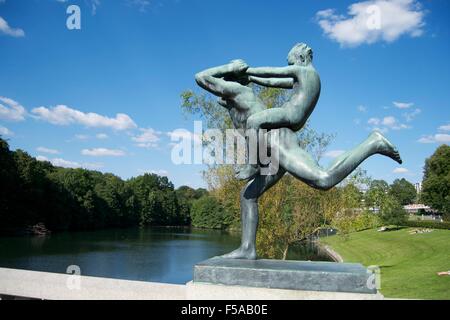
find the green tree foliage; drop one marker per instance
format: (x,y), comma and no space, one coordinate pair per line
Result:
(34,191)
(392,212)
(207,212)
(156,200)
(381,198)
(376,194)
(186,196)
(436,181)
(403,191)
(8,185)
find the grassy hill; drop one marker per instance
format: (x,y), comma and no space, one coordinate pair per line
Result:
(408,262)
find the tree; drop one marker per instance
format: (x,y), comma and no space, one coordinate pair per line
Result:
(436,180)
(392,212)
(376,194)
(291,212)
(403,191)
(155,200)
(34,191)
(380,196)
(208,213)
(186,196)
(8,187)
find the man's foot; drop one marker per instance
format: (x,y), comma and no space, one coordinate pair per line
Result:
(241,253)
(247,172)
(386,147)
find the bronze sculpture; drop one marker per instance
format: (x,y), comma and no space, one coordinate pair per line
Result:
(230,83)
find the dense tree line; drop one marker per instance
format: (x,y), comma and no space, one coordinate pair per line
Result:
(33,191)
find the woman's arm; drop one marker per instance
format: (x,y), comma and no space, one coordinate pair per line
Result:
(211,79)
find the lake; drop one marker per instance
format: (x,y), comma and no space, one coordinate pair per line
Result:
(146,254)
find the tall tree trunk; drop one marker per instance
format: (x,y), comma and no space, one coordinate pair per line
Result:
(285,251)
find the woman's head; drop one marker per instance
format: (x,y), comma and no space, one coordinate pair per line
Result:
(300,54)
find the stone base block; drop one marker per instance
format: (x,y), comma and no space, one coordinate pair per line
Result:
(282,274)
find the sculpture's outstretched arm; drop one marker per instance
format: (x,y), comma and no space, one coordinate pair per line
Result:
(211,79)
(282,83)
(273,72)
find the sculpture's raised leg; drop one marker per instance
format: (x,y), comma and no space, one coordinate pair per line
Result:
(249,214)
(300,164)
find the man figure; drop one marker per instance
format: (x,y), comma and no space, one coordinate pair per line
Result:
(306,90)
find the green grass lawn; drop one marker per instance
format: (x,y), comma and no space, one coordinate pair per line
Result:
(408,263)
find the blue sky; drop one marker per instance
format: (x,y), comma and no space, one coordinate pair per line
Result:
(107,96)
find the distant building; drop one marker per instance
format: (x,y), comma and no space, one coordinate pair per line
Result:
(418,187)
(414,208)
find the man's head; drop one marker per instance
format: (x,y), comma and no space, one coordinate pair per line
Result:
(300,54)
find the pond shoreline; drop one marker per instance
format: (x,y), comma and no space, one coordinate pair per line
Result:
(336,257)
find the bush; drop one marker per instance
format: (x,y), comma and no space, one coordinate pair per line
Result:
(427,224)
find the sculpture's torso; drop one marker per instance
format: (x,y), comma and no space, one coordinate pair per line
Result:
(305,95)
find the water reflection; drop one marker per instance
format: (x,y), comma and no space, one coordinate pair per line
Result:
(147,254)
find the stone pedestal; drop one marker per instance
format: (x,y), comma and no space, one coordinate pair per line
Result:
(279,274)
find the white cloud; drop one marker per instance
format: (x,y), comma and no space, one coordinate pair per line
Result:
(13,32)
(442,137)
(63,115)
(372,21)
(42,158)
(426,139)
(140,4)
(11,110)
(386,124)
(147,139)
(5,131)
(102,136)
(403,105)
(362,108)
(409,116)
(103,152)
(392,123)
(333,153)
(400,170)
(437,138)
(47,150)
(445,127)
(389,121)
(374,121)
(59,162)
(81,137)
(93,166)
